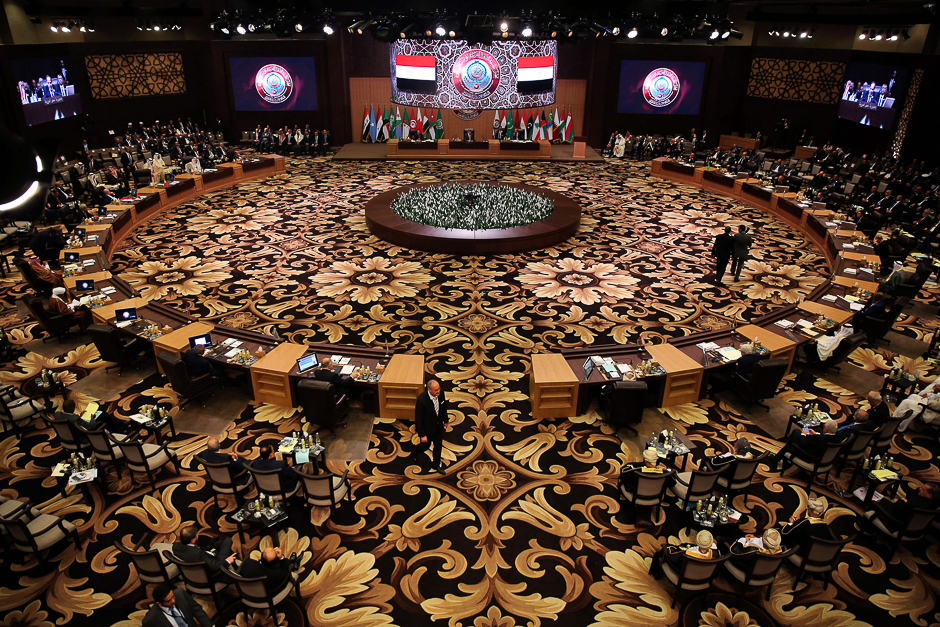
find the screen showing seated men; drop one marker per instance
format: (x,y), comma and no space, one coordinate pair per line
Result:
(274,83)
(45,89)
(455,75)
(671,87)
(872,94)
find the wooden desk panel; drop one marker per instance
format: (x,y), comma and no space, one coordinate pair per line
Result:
(553,387)
(683,375)
(733,141)
(176,342)
(104,314)
(841,316)
(400,385)
(850,282)
(861,257)
(70,281)
(779,346)
(270,375)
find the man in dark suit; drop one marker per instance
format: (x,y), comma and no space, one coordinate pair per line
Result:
(217,553)
(901,510)
(430,418)
(213,455)
(878,412)
(196,363)
(810,443)
(273,566)
(266,461)
(742,245)
(103,419)
(173,607)
(721,251)
(325,373)
(326,142)
(749,357)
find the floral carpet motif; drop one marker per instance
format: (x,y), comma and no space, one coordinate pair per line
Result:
(525,528)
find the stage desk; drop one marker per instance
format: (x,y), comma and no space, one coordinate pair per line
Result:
(490,149)
(400,385)
(779,346)
(733,141)
(553,387)
(270,375)
(804,152)
(683,375)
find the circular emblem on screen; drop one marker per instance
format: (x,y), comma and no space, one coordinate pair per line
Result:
(476,74)
(468,114)
(274,83)
(661,87)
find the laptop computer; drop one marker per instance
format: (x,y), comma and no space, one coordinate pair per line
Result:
(125,315)
(72,258)
(79,232)
(85,285)
(307,363)
(200,340)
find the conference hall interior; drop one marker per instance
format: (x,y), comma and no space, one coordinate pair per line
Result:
(362,314)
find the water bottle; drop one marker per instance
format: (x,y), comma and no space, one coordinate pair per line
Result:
(318,439)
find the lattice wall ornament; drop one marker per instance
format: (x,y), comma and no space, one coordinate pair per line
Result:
(901,131)
(135,75)
(794,79)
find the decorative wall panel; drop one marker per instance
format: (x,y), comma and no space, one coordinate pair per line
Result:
(901,131)
(135,75)
(795,79)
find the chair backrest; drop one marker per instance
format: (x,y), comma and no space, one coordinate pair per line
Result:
(695,571)
(824,553)
(845,348)
(150,566)
(317,398)
(133,451)
(830,453)
(38,311)
(267,480)
(766,377)
(919,522)
(251,589)
(195,575)
(18,528)
(890,427)
(652,485)
(175,370)
(318,486)
(627,401)
(765,566)
(100,443)
(65,432)
(702,482)
(220,474)
(859,442)
(741,471)
(107,340)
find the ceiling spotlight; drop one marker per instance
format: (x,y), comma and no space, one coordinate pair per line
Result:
(880,35)
(55,27)
(451,33)
(440,30)
(364,26)
(714,34)
(664,31)
(406,31)
(812,32)
(90,27)
(328,28)
(82,29)
(527,30)
(65,28)
(726,33)
(895,35)
(905,35)
(225,29)
(252,27)
(240,29)
(804,33)
(633,32)
(504,26)
(156,27)
(615,31)
(300,26)
(863,34)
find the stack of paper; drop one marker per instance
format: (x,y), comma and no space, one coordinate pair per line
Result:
(730,353)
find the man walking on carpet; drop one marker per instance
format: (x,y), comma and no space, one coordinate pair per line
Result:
(430,418)
(721,251)
(742,246)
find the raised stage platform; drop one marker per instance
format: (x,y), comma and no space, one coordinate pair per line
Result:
(359,151)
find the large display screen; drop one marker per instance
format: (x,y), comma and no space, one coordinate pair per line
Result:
(661,87)
(872,94)
(455,75)
(45,88)
(274,83)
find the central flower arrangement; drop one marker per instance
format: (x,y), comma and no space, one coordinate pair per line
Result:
(472,207)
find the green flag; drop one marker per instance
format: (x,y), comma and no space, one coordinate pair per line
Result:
(510,127)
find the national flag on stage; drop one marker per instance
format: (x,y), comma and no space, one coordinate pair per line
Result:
(420,120)
(550,128)
(373,130)
(546,131)
(365,126)
(569,127)
(536,126)
(415,73)
(496,123)
(396,123)
(440,124)
(523,123)
(406,124)
(432,126)
(510,124)
(558,121)
(425,124)
(410,121)
(536,74)
(386,127)
(502,122)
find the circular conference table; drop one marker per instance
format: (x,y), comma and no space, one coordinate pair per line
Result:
(274,375)
(557,227)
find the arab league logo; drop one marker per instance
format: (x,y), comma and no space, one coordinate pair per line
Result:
(476,74)
(661,87)
(274,83)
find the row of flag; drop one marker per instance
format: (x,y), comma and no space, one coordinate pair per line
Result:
(379,124)
(536,124)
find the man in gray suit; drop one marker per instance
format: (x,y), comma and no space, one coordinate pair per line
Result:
(742,245)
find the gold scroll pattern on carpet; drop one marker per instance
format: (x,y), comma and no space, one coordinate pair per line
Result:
(134,75)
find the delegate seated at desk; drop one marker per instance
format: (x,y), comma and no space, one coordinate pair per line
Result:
(325,372)
(196,363)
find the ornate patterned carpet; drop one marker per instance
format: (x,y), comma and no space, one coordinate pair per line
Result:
(525,528)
